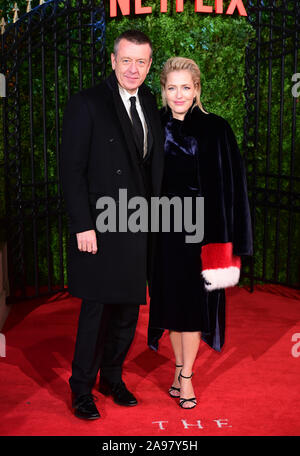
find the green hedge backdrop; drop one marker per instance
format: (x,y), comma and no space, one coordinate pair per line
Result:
(217,43)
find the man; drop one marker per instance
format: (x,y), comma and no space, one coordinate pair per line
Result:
(111,140)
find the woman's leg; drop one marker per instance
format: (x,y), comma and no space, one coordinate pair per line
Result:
(176,341)
(190,346)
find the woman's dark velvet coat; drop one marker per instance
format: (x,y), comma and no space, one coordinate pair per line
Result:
(223,180)
(222,177)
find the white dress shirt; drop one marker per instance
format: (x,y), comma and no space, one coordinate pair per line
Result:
(127,103)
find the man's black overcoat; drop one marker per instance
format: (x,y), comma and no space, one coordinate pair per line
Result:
(99,157)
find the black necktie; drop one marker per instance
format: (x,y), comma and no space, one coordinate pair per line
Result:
(138,130)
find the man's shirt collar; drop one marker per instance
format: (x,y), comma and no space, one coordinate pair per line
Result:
(125,94)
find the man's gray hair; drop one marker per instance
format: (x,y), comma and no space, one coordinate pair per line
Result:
(134,36)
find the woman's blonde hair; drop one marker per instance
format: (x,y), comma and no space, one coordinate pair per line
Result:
(177,64)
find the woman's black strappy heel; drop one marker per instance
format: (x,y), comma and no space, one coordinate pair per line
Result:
(192,399)
(174,388)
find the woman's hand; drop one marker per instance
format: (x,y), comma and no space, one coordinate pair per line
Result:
(87,241)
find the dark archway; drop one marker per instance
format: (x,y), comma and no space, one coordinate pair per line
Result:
(56,49)
(272,141)
(59,48)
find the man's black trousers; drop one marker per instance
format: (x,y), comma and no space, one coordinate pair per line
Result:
(105,333)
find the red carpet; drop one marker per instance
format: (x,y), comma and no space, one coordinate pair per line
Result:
(250,388)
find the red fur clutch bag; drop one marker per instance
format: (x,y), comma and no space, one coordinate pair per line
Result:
(220,268)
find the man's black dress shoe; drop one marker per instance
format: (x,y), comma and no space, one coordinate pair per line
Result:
(119,392)
(85,407)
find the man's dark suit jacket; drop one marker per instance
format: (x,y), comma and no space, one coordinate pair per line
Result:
(99,157)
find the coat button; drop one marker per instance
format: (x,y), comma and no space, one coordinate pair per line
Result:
(119,171)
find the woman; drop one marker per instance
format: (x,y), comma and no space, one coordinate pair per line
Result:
(202,159)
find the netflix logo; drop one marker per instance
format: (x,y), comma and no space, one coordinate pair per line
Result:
(201,6)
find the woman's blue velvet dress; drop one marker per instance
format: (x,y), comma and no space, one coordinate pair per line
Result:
(179,300)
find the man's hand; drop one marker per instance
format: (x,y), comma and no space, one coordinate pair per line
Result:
(87,241)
